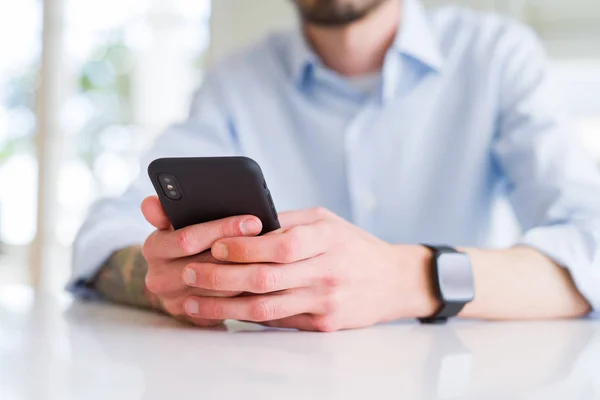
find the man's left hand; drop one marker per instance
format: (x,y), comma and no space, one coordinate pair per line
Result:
(317,273)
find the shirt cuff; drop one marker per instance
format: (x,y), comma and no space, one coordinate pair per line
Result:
(575,249)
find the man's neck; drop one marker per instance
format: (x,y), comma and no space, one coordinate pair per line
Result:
(360,47)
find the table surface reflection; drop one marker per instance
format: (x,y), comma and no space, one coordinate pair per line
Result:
(54,348)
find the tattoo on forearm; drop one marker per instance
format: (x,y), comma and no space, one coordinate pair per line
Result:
(122,279)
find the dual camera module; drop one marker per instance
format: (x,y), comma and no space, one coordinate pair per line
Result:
(170,186)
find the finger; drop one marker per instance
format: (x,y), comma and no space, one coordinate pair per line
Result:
(253,278)
(204,323)
(198,238)
(297,243)
(252,308)
(162,280)
(303,322)
(165,281)
(290,219)
(306,322)
(174,303)
(199,322)
(173,306)
(154,213)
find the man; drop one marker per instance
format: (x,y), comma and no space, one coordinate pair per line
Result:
(404,127)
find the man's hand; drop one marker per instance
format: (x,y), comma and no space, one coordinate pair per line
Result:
(168,251)
(318,272)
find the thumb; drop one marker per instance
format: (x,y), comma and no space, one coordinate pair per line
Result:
(155,214)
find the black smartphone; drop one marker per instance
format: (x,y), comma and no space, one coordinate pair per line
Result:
(203,189)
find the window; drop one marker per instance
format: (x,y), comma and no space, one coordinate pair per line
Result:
(19,78)
(121,57)
(113,63)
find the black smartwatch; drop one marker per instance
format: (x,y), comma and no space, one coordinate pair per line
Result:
(452,282)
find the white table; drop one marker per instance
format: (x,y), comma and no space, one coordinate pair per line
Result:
(53,348)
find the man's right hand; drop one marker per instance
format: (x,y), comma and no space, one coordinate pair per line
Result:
(168,251)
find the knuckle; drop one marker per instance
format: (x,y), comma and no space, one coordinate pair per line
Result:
(288,247)
(148,246)
(146,251)
(324,324)
(331,304)
(321,212)
(261,310)
(229,227)
(331,281)
(232,228)
(223,228)
(213,279)
(214,310)
(172,308)
(265,280)
(184,241)
(240,251)
(153,283)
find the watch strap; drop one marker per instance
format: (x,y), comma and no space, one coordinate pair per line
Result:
(446,309)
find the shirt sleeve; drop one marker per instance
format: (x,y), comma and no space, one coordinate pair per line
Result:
(117,223)
(554,186)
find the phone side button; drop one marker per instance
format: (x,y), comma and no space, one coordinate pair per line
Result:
(272,205)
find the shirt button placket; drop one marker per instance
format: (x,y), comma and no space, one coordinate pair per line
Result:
(362,200)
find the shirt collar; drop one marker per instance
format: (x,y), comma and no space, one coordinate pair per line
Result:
(414,53)
(415,39)
(302,59)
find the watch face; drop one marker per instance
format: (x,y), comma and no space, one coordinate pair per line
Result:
(455,277)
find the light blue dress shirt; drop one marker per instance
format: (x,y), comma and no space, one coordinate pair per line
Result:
(463,116)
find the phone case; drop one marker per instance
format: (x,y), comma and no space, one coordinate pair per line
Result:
(212,188)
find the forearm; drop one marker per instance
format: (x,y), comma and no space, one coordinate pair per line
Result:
(522,283)
(122,279)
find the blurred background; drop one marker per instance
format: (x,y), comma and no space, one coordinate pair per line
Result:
(85,86)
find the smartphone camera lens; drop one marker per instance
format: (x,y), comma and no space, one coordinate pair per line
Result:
(170,186)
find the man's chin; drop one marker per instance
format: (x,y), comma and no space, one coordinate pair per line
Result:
(327,14)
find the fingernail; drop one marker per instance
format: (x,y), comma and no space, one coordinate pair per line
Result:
(192,307)
(220,251)
(249,227)
(189,276)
